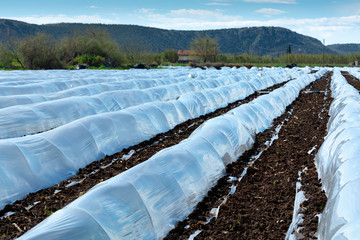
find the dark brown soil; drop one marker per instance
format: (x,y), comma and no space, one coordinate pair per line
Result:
(48,202)
(263,204)
(353,81)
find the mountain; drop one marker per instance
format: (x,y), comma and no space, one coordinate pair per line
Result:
(345,48)
(272,41)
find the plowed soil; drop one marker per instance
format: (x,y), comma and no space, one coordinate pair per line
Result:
(263,204)
(27,215)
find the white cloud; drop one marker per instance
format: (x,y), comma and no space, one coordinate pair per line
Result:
(146,10)
(333,29)
(348,8)
(93,6)
(272,1)
(270,11)
(200,14)
(64,18)
(218,4)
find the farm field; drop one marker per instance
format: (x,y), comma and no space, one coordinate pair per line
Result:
(89,178)
(153,151)
(43,115)
(262,205)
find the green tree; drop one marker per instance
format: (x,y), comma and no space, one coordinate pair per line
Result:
(206,48)
(95,47)
(288,52)
(40,52)
(6,57)
(170,56)
(10,54)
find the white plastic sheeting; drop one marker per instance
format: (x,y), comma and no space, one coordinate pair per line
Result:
(354,71)
(33,162)
(147,201)
(54,81)
(338,164)
(19,87)
(28,119)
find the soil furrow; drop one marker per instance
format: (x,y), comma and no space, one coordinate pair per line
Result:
(353,81)
(263,204)
(25,217)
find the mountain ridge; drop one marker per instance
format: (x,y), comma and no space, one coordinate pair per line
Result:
(272,41)
(345,48)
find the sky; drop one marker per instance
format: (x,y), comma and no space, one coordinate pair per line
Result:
(334,21)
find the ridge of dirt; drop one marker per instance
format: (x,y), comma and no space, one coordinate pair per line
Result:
(58,196)
(353,81)
(263,204)
(310,184)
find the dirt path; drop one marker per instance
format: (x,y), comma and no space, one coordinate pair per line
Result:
(25,217)
(263,204)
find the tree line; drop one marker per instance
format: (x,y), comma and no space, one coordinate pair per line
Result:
(208,50)
(312,59)
(93,48)
(97,49)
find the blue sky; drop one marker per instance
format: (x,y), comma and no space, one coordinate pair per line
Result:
(334,20)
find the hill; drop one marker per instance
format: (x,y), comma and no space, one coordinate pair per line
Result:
(271,41)
(345,48)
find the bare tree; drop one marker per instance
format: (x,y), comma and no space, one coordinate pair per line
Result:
(134,53)
(206,48)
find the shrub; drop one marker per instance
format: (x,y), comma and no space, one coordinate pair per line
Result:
(170,56)
(40,52)
(95,47)
(90,60)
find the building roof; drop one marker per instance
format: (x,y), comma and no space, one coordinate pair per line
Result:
(185,53)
